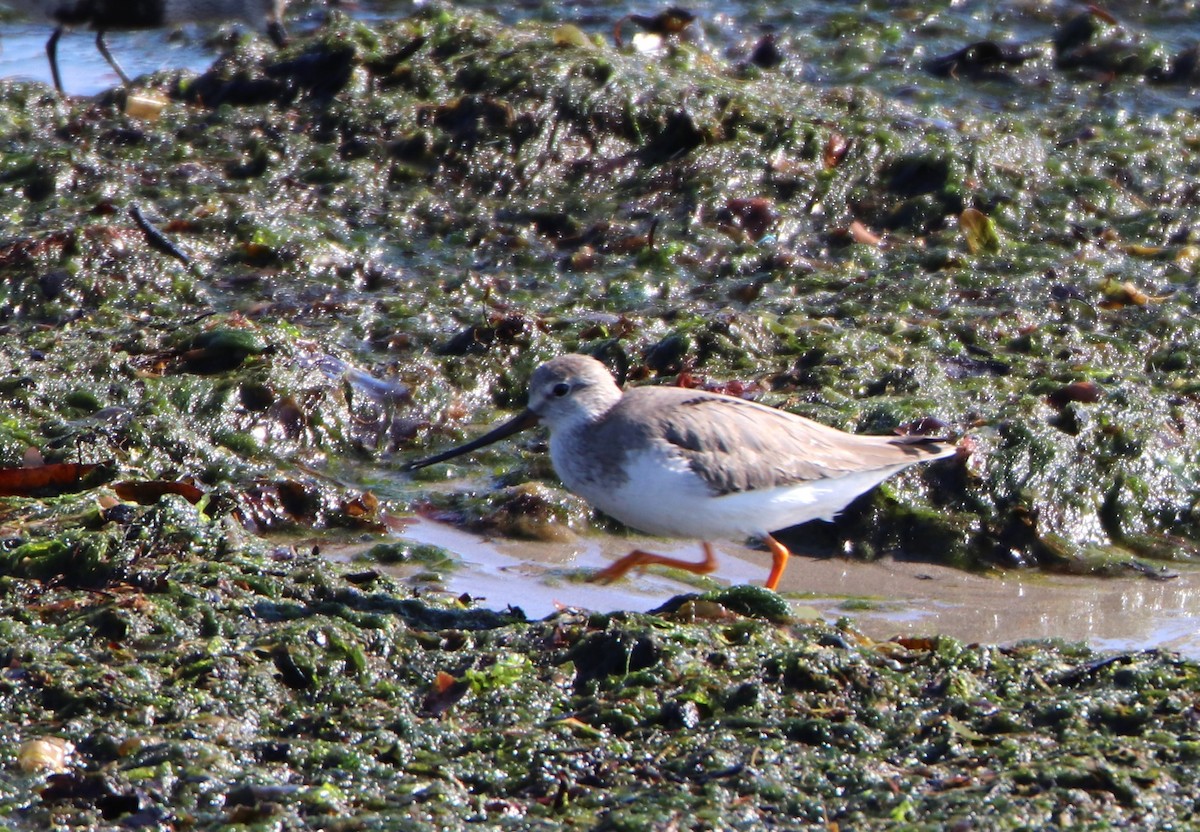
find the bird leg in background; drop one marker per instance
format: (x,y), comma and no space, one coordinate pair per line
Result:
(638,558)
(102,45)
(52,54)
(277,34)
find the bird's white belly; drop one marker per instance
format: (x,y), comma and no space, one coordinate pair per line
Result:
(663,496)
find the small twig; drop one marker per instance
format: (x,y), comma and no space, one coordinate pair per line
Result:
(157,239)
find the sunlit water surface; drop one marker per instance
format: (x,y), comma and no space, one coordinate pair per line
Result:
(882,600)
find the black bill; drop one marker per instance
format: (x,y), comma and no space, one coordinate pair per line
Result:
(526,419)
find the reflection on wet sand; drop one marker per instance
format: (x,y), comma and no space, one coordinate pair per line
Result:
(881,599)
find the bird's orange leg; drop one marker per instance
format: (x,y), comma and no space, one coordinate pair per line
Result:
(638,558)
(779,559)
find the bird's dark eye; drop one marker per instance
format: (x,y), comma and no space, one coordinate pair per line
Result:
(561,389)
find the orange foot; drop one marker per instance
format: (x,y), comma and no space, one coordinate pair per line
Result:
(779,559)
(639,557)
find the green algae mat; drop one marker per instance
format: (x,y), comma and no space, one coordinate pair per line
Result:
(229,316)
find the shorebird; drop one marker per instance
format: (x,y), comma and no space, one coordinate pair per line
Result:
(685,463)
(103,15)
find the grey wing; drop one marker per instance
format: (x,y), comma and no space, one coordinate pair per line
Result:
(736,445)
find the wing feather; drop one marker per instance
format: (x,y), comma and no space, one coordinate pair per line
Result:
(737,445)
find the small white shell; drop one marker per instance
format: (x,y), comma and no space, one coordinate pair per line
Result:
(48,754)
